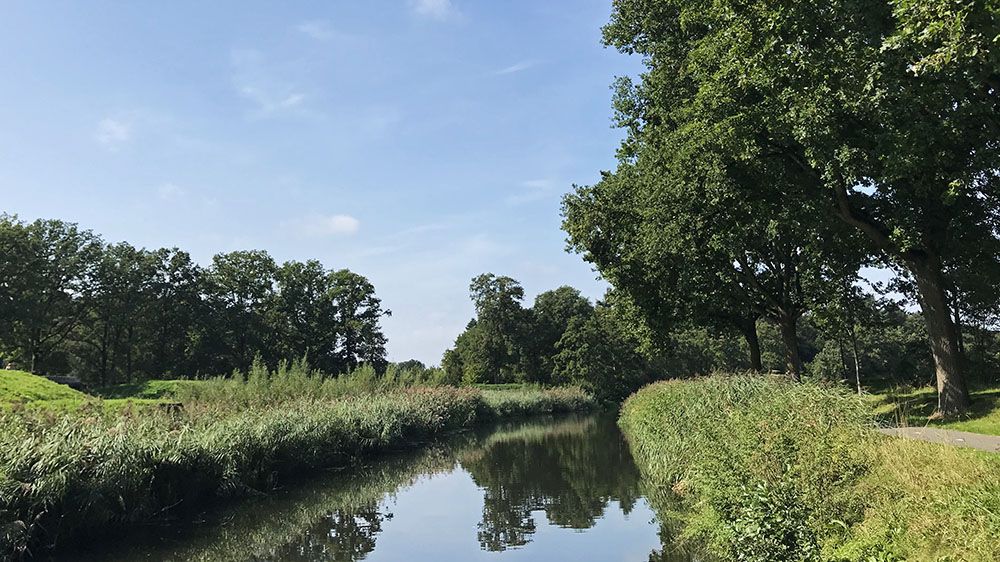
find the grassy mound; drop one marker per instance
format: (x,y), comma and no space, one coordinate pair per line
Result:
(761,469)
(19,386)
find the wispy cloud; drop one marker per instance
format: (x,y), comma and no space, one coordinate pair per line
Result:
(516,67)
(533,190)
(112,133)
(170,192)
(320,30)
(538,184)
(434,9)
(258,84)
(316,225)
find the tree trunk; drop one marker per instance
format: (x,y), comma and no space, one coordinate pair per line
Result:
(843,356)
(953,395)
(959,337)
(857,358)
(789,336)
(753,343)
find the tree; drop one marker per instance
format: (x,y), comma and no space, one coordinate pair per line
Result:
(358,313)
(886,113)
(500,327)
(177,315)
(307,312)
(49,265)
(118,304)
(551,315)
(696,243)
(239,288)
(595,354)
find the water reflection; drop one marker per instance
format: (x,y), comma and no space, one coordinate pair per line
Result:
(571,471)
(548,489)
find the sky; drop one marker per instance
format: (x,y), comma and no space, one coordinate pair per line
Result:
(417,142)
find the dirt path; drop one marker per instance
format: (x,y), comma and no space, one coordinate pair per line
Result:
(979,441)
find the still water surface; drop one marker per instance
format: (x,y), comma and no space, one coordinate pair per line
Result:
(548,489)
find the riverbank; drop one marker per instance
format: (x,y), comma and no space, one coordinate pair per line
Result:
(69,471)
(761,469)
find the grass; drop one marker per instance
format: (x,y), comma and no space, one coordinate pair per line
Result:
(68,471)
(760,469)
(913,407)
(18,386)
(148,390)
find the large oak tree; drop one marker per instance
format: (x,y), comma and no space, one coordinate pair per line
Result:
(885,112)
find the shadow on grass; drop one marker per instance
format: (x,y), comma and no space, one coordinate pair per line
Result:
(908,407)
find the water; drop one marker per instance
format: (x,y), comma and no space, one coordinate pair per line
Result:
(549,489)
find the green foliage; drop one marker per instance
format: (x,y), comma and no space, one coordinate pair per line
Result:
(761,129)
(113,313)
(595,354)
(152,390)
(528,402)
(761,469)
(561,339)
(551,316)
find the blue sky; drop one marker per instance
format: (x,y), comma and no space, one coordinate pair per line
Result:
(418,142)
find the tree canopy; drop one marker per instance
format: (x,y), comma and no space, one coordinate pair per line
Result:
(813,137)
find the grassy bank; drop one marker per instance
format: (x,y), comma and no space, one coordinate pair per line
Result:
(65,472)
(760,469)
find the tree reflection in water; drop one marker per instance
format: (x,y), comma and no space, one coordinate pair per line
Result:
(343,535)
(569,471)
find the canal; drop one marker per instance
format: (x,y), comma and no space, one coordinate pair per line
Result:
(544,489)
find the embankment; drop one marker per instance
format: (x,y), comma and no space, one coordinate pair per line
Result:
(761,469)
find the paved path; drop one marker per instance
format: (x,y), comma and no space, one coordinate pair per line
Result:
(979,441)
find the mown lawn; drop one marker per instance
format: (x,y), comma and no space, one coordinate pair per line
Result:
(19,386)
(907,407)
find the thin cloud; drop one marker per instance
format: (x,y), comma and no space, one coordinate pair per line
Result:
(434,9)
(533,190)
(170,192)
(112,133)
(516,67)
(255,82)
(320,30)
(538,184)
(328,225)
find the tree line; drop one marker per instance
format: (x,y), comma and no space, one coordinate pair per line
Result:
(774,149)
(561,339)
(71,303)
(611,350)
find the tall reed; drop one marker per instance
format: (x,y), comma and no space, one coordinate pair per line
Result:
(62,473)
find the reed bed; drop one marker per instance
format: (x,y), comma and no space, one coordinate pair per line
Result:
(64,473)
